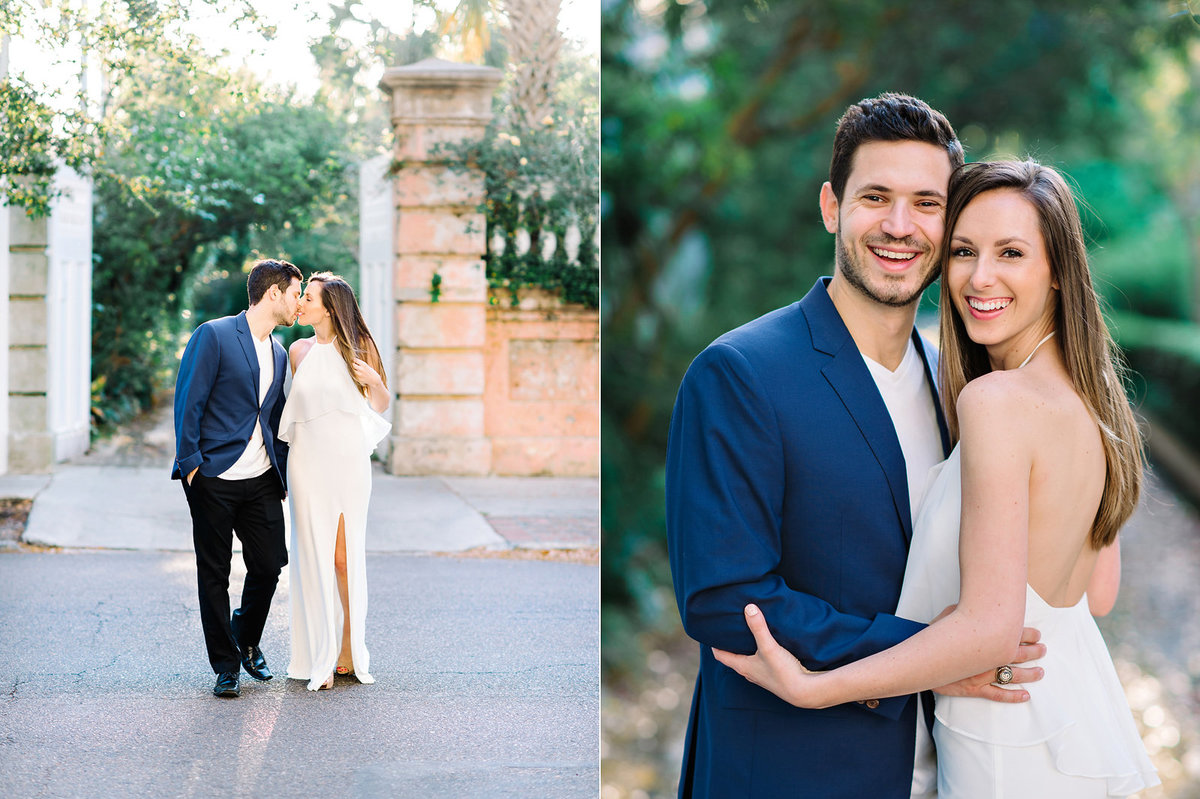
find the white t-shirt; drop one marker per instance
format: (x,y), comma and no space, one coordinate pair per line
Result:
(910,404)
(254,459)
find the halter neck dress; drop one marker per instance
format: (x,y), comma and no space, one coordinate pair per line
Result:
(331,430)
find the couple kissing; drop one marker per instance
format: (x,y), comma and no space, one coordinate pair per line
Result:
(244,446)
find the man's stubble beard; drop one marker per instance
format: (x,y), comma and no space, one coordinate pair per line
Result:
(855,274)
(283,318)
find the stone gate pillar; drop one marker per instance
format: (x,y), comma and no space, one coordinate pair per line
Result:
(438,364)
(30,443)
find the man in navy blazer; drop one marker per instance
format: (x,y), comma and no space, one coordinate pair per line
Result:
(787,484)
(228,400)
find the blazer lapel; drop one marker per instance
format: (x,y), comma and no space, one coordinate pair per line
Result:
(930,359)
(247,342)
(849,378)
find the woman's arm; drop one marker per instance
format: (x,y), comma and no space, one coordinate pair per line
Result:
(984,630)
(377,393)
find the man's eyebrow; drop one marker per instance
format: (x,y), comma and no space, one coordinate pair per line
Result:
(879,188)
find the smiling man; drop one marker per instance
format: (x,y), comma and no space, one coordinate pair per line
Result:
(799,447)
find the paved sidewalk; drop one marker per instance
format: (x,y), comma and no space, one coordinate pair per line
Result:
(120,496)
(139,507)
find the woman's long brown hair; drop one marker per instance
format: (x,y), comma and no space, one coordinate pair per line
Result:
(1088,350)
(351,336)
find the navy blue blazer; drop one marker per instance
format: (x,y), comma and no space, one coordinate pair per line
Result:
(216,400)
(786,487)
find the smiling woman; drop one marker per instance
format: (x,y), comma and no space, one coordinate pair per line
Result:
(998,274)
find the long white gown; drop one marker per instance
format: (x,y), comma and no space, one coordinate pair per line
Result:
(331,430)
(1074,738)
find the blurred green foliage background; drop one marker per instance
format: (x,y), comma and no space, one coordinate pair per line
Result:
(717,121)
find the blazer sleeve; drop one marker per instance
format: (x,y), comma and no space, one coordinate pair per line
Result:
(197,372)
(725,487)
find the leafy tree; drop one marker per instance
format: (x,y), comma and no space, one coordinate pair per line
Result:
(342,61)
(218,171)
(42,125)
(468,25)
(31,149)
(1169,108)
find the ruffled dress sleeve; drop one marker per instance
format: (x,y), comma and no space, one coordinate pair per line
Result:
(322,385)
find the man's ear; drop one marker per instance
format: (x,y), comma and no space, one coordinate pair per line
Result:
(829,207)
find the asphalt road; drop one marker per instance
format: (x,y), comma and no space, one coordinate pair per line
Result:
(486,669)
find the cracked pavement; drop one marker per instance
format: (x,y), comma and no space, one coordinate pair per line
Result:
(487,684)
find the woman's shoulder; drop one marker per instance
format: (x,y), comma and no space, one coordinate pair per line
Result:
(1016,396)
(302,344)
(994,388)
(299,349)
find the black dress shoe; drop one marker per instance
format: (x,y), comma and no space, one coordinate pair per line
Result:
(227,684)
(255,664)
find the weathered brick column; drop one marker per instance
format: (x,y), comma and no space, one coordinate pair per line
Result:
(30,442)
(439,367)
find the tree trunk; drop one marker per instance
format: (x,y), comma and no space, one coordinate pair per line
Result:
(534,44)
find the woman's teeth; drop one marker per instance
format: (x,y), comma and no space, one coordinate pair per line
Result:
(988,305)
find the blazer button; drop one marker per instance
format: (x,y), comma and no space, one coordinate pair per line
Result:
(872,703)
(860,701)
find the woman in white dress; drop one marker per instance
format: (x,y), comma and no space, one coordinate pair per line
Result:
(1046,469)
(332,423)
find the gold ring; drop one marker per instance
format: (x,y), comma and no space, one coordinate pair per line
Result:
(1004,675)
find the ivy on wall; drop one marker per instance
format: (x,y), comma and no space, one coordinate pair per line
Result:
(542,185)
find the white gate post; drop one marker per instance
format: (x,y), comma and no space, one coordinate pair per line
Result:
(376,254)
(69,316)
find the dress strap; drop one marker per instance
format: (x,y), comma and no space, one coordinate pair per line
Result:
(1029,357)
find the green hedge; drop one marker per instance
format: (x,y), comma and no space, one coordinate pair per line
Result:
(1165,355)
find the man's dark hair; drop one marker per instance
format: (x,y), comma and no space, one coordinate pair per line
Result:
(888,117)
(270,272)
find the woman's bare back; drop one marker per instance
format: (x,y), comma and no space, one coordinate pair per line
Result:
(1066,480)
